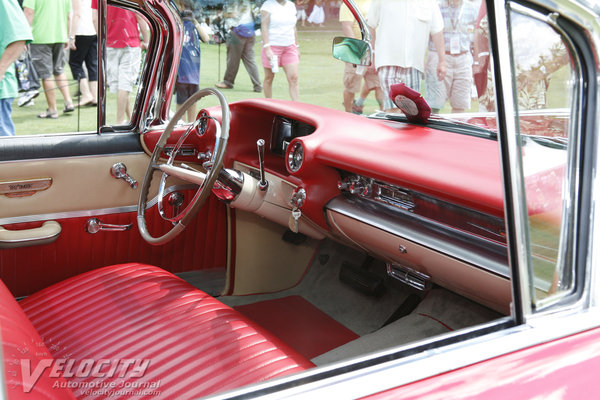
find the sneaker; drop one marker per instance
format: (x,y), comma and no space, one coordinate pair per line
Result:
(30,104)
(356,109)
(27,97)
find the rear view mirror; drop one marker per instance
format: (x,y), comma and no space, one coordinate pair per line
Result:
(354,51)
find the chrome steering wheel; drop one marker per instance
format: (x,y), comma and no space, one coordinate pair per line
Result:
(205,181)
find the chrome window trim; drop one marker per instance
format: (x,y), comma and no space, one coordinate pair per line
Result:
(512,169)
(567,240)
(90,213)
(50,159)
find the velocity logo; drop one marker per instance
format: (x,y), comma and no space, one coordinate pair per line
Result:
(86,368)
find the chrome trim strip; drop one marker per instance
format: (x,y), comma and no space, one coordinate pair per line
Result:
(474,251)
(73,157)
(515,211)
(90,213)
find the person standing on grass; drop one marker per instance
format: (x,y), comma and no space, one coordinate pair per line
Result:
(354,75)
(188,75)
(123,53)
(83,43)
(14,35)
(280,44)
(401,32)
(301,6)
(240,45)
(317,15)
(459,25)
(50,22)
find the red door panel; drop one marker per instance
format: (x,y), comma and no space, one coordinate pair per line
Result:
(203,245)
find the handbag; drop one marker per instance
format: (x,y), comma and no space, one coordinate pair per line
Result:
(27,77)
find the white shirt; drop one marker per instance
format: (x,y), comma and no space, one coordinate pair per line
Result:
(86,23)
(402,31)
(282,22)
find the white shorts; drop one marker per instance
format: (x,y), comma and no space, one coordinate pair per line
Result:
(122,67)
(455,87)
(391,74)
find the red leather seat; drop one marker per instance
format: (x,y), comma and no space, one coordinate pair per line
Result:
(117,323)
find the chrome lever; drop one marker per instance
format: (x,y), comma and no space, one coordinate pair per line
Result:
(263,184)
(119,171)
(176,200)
(93,225)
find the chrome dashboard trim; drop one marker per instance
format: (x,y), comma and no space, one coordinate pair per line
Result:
(471,249)
(90,213)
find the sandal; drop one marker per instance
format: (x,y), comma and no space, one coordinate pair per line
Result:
(48,114)
(223,85)
(69,108)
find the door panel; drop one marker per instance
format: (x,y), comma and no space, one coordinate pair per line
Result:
(82,188)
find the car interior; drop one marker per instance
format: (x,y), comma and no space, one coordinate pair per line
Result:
(265,239)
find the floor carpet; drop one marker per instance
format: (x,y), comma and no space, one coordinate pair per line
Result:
(299,324)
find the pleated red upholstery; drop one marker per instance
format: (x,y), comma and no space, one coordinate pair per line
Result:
(196,345)
(22,347)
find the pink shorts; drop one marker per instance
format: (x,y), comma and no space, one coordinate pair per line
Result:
(286,55)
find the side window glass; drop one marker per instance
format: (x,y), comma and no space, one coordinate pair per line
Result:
(127,38)
(546,93)
(55,78)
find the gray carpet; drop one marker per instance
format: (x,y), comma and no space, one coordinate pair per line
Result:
(211,281)
(321,286)
(439,312)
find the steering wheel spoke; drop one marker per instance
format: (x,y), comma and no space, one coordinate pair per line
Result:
(188,175)
(205,181)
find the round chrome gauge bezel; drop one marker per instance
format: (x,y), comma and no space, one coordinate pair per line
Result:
(295,156)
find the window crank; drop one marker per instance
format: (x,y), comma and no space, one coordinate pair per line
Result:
(93,225)
(119,171)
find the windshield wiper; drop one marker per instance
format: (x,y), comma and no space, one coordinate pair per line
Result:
(438,122)
(555,142)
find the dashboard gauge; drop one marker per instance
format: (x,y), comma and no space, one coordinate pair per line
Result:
(295,156)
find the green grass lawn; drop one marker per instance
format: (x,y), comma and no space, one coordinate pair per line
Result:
(320,83)
(320,77)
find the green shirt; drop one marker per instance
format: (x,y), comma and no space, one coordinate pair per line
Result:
(50,18)
(13,28)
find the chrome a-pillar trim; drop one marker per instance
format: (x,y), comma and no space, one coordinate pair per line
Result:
(515,210)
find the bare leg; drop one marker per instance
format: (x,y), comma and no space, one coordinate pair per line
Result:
(268,83)
(86,92)
(379,96)
(191,113)
(63,86)
(348,99)
(50,91)
(291,72)
(123,113)
(94,91)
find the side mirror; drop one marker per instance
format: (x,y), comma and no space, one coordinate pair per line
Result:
(354,51)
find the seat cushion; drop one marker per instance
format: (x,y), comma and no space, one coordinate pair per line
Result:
(25,355)
(141,329)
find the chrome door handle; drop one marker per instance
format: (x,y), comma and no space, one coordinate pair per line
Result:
(93,225)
